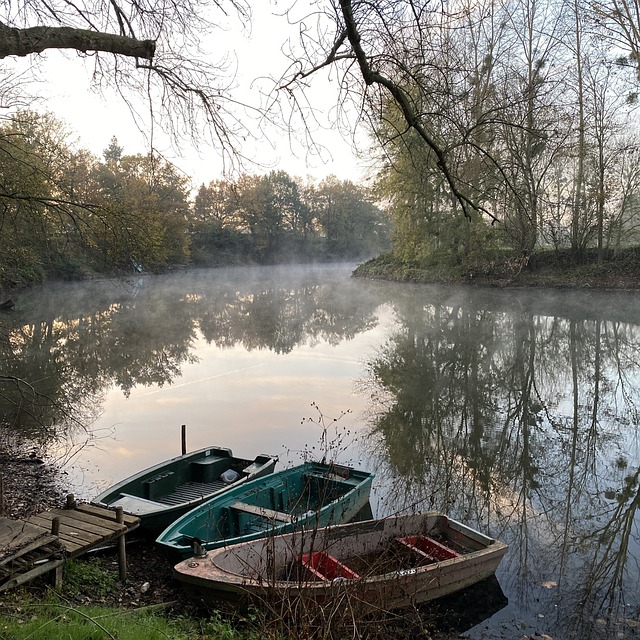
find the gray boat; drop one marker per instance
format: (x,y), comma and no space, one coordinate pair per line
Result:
(161,494)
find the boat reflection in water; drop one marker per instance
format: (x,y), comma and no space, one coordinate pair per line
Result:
(461,611)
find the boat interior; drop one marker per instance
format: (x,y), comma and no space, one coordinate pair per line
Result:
(284,501)
(182,484)
(401,554)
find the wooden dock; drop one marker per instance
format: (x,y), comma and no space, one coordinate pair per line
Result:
(44,542)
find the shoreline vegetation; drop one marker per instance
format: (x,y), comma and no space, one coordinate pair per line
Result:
(560,269)
(150,605)
(555,269)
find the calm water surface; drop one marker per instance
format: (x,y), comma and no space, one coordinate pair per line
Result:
(513,411)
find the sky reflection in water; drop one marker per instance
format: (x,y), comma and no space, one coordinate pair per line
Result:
(513,411)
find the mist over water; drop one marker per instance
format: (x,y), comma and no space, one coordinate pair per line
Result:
(513,411)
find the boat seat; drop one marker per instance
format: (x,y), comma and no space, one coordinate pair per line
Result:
(331,480)
(334,477)
(209,469)
(136,505)
(159,485)
(263,512)
(323,566)
(427,548)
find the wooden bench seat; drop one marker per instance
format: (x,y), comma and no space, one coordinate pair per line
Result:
(263,512)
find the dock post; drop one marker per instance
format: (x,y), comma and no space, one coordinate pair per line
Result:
(71,501)
(1,496)
(57,572)
(122,549)
(184,439)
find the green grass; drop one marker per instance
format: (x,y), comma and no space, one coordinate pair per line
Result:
(63,621)
(57,615)
(88,576)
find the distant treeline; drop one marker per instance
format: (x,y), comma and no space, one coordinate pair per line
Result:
(67,213)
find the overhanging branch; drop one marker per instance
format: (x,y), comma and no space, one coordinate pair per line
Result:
(373,77)
(24,42)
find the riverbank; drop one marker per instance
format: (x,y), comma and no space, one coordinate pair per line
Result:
(619,272)
(92,590)
(91,583)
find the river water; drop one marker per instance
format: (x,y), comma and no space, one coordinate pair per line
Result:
(513,411)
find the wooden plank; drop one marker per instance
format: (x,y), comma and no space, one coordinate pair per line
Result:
(29,560)
(74,553)
(69,530)
(80,529)
(264,512)
(72,544)
(15,533)
(90,519)
(31,574)
(79,521)
(39,542)
(130,521)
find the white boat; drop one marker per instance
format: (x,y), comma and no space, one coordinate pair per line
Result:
(392,562)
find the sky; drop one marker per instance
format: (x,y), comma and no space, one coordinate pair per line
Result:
(94,118)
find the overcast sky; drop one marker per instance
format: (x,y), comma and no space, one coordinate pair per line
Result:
(95,120)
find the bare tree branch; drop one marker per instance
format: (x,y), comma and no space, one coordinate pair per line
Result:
(23,42)
(371,77)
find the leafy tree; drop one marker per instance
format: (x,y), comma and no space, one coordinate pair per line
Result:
(353,226)
(215,203)
(144,205)
(271,210)
(35,207)
(487,111)
(113,153)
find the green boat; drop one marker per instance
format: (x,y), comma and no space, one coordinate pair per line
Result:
(161,494)
(304,497)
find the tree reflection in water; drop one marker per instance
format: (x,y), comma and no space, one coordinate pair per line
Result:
(64,346)
(520,416)
(514,412)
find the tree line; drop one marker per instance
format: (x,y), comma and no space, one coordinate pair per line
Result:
(499,125)
(510,125)
(67,213)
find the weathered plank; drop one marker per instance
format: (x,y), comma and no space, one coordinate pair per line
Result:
(264,512)
(29,548)
(67,531)
(42,541)
(17,533)
(80,521)
(130,521)
(26,576)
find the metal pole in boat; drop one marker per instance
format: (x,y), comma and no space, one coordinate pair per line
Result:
(184,439)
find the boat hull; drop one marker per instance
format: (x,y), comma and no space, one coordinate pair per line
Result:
(309,496)
(365,565)
(163,493)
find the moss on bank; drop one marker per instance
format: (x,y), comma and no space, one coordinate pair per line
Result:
(542,269)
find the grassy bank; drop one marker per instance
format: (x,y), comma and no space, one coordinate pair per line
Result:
(94,605)
(542,269)
(60,619)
